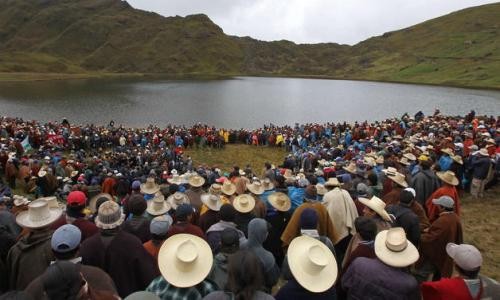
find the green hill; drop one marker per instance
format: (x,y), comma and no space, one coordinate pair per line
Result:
(109,36)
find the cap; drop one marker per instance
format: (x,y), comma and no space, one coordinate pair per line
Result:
(362,189)
(136,184)
(76,198)
(309,219)
(183,210)
(66,238)
(229,237)
(160,225)
(444,201)
(465,256)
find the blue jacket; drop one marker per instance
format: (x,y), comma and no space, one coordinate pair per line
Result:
(480,166)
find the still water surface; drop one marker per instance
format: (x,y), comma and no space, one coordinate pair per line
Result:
(247,102)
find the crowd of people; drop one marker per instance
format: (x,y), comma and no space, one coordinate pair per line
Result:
(366,210)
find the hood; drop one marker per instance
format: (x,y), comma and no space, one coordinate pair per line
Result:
(257,232)
(34,239)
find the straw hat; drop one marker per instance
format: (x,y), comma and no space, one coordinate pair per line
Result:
(447,151)
(268,185)
(177,199)
(73,173)
(228,188)
(52,201)
(38,215)
(196,181)
(393,249)
(212,201)
(368,160)
(176,179)
(280,201)
(158,206)
(448,177)
(351,168)
(256,188)
(410,156)
(484,152)
(288,175)
(333,181)
(399,179)
(93,200)
(458,159)
(42,173)
(377,205)
(244,203)
(109,215)
(19,200)
(215,188)
(320,189)
(150,187)
(390,171)
(404,161)
(185,260)
(312,264)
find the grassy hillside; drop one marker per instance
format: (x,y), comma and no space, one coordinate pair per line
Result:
(109,36)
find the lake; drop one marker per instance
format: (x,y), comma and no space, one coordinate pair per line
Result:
(243,102)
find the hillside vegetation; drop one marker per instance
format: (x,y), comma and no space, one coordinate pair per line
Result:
(109,36)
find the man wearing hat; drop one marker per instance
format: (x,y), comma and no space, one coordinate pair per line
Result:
(398,184)
(386,276)
(480,164)
(449,182)
(183,218)
(32,254)
(468,284)
(185,261)
(447,228)
(213,202)
(118,253)
(65,243)
(425,181)
(325,224)
(404,217)
(195,191)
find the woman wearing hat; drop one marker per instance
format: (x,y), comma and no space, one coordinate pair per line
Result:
(278,216)
(448,188)
(256,188)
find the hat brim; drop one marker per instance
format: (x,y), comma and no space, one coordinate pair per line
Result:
(93,201)
(255,191)
(395,259)
(193,184)
(228,190)
(274,203)
(196,273)
(150,209)
(244,209)
(381,212)
(173,203)
(113,225)
(399,182)
(23,220)
(210,204)
(146,190)
(452,182)
(322,280)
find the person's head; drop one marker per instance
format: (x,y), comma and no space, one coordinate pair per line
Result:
(136,185)
(444,203)
(406,198)
(184,212)
(76,202)
(137,205)
(244,275)
(65,242)
(268,166)
(230,241)
(310,193)
(372,178)
(62,280)
(467,259)
(366,227)
(227,213)
(309,219)
(159,227)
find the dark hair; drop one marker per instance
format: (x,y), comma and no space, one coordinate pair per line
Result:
(372,178)
(406,197)
(227,213)
(469,274)
(158,237)
(366,227)
(62,280)
(244,276)
(100,201)
(66,255)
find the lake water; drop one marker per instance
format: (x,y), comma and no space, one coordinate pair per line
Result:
(247,102)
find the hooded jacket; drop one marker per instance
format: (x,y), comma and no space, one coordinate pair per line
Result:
(425,182)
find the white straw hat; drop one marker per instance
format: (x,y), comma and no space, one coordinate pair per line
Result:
(38,215)
(399,179)
(312,264)
(158,206)
(267,184)
(333,181)
(185,260)
(448,177)
(150,187)
(228,188)
(256,188)
(393,249)
(377,205)
(212,201)
(320,188)
(93,201)
(244,203)
(280,201)
(177,199)
(196,181)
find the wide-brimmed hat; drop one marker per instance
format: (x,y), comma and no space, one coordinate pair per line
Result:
(177,199)
(280,201)
(404,161)
(42,173)
(410,156)
(370,161)
(176,179)
(312,264)
(267,184)
(109,215)
(447,151)
(150,187)
(333,181)
(52,201)
(484,152)
(73,173)
(399,179)
(196,181)
(228,188)
(377,205)
(93,200)
(320,189)
(38,215)
(351,168)
(185,260)
(215,188)
(20,200)
(212,201)
(393,249)
(158,206)
(457,159)
(448,177)
(256,188)
(244,203)
(390,171)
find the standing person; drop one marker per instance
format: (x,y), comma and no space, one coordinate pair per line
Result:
(313,268)
(32,254)
(449,181)
(195,191)
(468,285)
(159,227)
(183,222)
(278,216)
(367,230)
(385,277)
(227,216)
(445,229)
(480,165)
(229,244)
(244,205)
(137,224)
(118,252)
(398,184)
(213,202)
(425,181)
(404,217)
(185,261)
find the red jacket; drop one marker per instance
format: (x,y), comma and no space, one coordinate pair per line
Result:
(447,288)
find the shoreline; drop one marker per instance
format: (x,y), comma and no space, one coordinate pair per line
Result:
(36,77)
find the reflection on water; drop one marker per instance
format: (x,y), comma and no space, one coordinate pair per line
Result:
(244,102)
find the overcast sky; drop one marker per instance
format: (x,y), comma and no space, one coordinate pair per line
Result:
(309,21)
